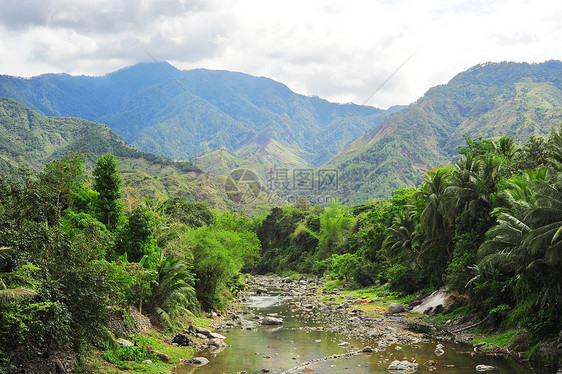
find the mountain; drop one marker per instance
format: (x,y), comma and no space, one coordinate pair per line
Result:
(181,114)
(489,100)
(28,138)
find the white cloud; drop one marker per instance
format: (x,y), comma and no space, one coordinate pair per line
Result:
(342,51)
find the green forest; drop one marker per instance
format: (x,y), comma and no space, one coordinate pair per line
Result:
(73,248)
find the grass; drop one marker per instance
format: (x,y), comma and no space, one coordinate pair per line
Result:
(382,293)
(501,340)
(113,362)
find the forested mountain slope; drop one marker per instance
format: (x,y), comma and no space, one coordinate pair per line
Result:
(28,138)
(181,114)
(488,100)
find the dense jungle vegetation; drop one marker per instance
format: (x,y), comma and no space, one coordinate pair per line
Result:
(72,247)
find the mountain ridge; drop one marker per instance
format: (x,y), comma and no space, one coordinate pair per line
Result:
(186,113)
(488,100)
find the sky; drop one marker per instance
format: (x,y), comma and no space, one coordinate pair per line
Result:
(372,52)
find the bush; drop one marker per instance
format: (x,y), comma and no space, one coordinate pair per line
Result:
(402,279)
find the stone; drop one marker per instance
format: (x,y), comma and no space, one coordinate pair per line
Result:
(367,349)
(403,366)
(124,342)
(216,343)
(201,336)
(204,331)
(272,321)
(147,362)
(197,361)
(394,308)
(216,335)
(484,367)
(181,340)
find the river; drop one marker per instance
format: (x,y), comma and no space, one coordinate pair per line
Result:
(306,335)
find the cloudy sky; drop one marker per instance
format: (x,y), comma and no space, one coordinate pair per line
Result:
(339,50)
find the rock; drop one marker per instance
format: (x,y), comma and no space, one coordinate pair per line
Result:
(403,366)
(216,335)
(218,343)
(272,321)
(182,340)
(394,308)
(124,342)
(261,291)
(367,349)
(147,362)
(201,336)
(265,370)
(204,331)
(197,361)
(484,367)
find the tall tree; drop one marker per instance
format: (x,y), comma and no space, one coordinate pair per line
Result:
(108,184)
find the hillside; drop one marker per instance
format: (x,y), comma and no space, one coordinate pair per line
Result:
(488,100)
(180,114)
(28,138)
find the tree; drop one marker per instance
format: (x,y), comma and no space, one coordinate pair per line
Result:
(172,291)
(108,184)
(66,176)
(136,238)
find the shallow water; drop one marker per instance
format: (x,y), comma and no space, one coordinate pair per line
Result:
(302,338)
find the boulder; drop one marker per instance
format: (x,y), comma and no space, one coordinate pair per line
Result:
(394,308)
(403,366)
(217,343)
(272,321)
(204,331)
(216,335)
(182,340)
(124,342)
(367,349)
(197,361)
(484,367)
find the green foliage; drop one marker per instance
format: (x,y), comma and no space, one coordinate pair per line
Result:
(136,237)
(107,183)
(343,267)
(403,279)
(191,214)
(134,353)
(218,253)
(172,291)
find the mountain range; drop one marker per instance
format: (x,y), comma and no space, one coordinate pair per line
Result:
(181,114)
(30,139)
(225,120)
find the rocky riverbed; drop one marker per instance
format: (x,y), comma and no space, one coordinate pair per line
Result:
(327,328)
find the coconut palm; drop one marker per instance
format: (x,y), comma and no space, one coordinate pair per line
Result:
(432,219)
(402,238)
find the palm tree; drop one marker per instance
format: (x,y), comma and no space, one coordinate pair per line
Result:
(432,218)
(172,292)
(504,247)
(545,240)
(402,238)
